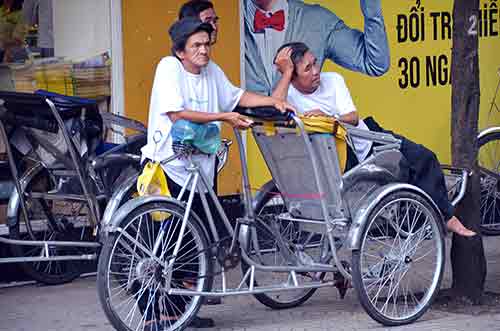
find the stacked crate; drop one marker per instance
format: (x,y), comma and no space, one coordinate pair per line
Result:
(24,78)
(83,79)
(55,77)
(92,82)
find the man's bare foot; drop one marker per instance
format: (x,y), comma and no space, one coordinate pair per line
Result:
(454,225)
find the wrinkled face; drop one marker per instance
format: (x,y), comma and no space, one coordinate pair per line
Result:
(209,16)
(308,74)
(196,54)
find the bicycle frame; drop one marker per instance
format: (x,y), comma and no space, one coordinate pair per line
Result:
(370,211)
(84,177)
(245,234)
(197,181)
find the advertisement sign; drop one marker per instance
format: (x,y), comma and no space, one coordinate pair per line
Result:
(413,97)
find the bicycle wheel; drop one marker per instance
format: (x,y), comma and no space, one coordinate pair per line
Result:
(131,278)
(398,269)
(301,245)
(489,167)
(50,221)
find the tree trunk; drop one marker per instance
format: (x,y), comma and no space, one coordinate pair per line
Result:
(467,254)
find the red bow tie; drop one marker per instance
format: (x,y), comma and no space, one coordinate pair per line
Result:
(275,21)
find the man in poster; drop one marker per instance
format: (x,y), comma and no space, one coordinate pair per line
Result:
(271,23)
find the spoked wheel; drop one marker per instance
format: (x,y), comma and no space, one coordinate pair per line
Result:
(132,276)
(398,269)
(489,166)
(282,243)
(50,221)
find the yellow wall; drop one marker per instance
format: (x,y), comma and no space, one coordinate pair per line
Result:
(421,113)
(146,41)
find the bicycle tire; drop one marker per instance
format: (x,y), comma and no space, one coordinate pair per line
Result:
(106,273)
(269,191)
(385,262)
(490,186)
(63,271)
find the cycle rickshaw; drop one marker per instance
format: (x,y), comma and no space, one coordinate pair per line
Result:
(489,166)
(64,174)
(159,260)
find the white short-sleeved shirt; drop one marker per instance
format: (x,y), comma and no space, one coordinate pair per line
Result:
(175,89)
(332,97)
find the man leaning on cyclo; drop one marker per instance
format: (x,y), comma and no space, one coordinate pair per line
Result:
(326,94)
(188,86)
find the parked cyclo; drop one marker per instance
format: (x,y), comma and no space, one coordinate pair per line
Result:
(64,174)
(312,226)
(488,142)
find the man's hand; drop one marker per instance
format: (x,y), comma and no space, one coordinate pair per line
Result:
(237,121)
(283,106)
(314,113)
(283,61)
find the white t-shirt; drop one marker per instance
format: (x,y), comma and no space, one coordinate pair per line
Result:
(175,89)
(332,97)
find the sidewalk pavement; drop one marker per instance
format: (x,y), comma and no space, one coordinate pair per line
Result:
(75,307)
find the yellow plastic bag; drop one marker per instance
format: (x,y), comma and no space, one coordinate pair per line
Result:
(152,181)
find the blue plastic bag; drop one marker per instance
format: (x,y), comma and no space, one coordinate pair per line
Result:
(205,137)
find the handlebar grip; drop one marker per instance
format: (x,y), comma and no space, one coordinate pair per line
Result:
(264,113)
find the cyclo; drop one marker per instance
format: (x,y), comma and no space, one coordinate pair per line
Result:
(159,260)
(64,172)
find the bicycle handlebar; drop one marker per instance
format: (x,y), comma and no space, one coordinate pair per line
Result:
(265,113)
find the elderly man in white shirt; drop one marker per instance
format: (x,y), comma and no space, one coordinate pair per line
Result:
(189,86)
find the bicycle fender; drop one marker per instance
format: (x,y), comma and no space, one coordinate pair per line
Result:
(14,203)
(119,215)
(488,131)
(116,201)
(265,189)
(364,210)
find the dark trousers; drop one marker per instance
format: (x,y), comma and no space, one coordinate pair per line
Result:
(154,304)
(197,207)
(423,167)
(176,304)
(151,301)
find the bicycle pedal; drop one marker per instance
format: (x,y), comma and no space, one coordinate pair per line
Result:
(226,258)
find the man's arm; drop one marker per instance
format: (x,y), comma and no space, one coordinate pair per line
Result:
(234,119)
(281,89)
(366,52)
(285,66)
(251,100)
(349,118)
(195,116)
(248,99)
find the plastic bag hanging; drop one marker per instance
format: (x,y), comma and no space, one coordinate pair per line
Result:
(203,136)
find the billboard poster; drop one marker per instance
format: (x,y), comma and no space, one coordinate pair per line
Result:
(395,58)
